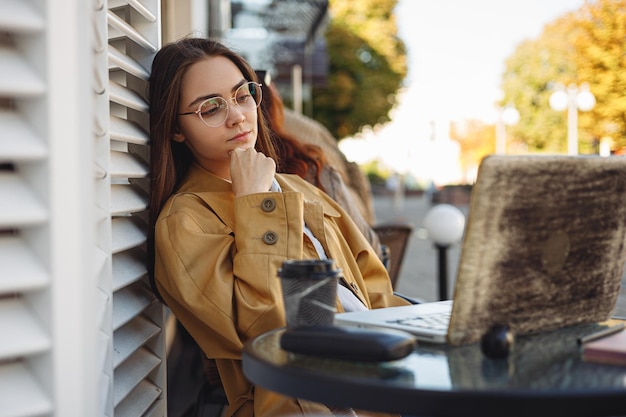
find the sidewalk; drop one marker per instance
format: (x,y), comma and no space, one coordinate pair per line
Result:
(419,274)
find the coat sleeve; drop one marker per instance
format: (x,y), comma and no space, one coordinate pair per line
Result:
(193,272)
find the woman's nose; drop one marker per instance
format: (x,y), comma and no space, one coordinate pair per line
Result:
(235,114)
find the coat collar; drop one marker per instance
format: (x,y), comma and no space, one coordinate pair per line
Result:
(200,180)
(217,192)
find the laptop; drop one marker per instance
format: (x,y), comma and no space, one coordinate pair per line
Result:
(543,248)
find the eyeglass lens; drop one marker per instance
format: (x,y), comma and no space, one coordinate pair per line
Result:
(214,111)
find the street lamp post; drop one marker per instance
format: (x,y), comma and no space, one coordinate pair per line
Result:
(445,224)
(573,98)
(507,116)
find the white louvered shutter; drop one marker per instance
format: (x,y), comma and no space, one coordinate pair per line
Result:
(49,363)
(80,333)
(137,317)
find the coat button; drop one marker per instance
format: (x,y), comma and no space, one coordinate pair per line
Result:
(270,238)
(268,204)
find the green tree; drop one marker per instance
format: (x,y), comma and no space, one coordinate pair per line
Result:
(367,66)
(531,74)
(584,46)
(601,60)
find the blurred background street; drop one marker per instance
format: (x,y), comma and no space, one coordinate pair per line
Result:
(419,274)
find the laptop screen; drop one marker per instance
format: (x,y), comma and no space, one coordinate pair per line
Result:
(543,246)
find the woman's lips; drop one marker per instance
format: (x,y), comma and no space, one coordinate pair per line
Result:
(242,137)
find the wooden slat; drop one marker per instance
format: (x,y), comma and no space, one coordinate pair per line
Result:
(126,165)
(130,32)
(126,234)
(17,77)
(19,16)
(21,394)
(131,337)
(127,199)
(20,269)
(126,63)
(130,374)
(130,303)
(143,10)
(19,142)
(128,267)
(19,207)
(126,131)
(23,334)
(126,97)
(138,402)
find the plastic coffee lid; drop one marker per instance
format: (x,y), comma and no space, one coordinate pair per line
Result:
(308,268)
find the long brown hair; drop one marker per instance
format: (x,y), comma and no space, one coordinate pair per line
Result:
(170,160)
(296,157)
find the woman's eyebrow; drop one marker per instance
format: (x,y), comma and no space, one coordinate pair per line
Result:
(200,99)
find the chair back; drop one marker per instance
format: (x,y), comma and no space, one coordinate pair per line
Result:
(395,236)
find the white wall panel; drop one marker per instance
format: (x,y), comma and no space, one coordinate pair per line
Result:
(27,362)
(85,331)
(137,317)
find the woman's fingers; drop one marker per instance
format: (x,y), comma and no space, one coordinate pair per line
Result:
(251,171)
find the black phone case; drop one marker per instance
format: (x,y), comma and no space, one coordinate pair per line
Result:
(348,343)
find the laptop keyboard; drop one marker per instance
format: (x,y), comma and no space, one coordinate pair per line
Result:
(435,321)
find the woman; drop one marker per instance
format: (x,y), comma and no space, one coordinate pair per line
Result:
(223,220)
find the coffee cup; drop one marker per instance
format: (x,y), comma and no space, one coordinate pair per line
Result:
(309,291)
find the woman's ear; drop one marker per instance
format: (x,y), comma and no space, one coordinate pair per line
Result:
(178,137)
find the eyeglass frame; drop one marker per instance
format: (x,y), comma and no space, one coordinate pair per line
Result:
(233,99)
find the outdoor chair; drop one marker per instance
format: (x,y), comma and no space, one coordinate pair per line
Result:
(194,387)
(211,401)
(394,236)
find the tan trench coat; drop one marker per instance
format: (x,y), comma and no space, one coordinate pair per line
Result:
(216,268)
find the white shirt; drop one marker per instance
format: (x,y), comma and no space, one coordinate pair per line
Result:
(349,301)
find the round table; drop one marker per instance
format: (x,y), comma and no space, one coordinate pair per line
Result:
(544,376)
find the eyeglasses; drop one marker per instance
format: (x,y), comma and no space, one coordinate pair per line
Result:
(214,111)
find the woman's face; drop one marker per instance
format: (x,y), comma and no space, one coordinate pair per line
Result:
(211,146)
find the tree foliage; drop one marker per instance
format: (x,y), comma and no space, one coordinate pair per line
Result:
(586,46)
(600,58)
(367,66)
(528,82)
(476,139)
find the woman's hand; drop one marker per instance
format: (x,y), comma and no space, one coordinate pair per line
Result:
(251,171)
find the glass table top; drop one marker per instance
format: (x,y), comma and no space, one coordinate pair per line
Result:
(547,362)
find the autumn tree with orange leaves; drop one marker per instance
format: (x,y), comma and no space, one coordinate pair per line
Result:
(585,46)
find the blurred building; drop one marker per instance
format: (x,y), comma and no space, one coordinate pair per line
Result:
(284,37)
